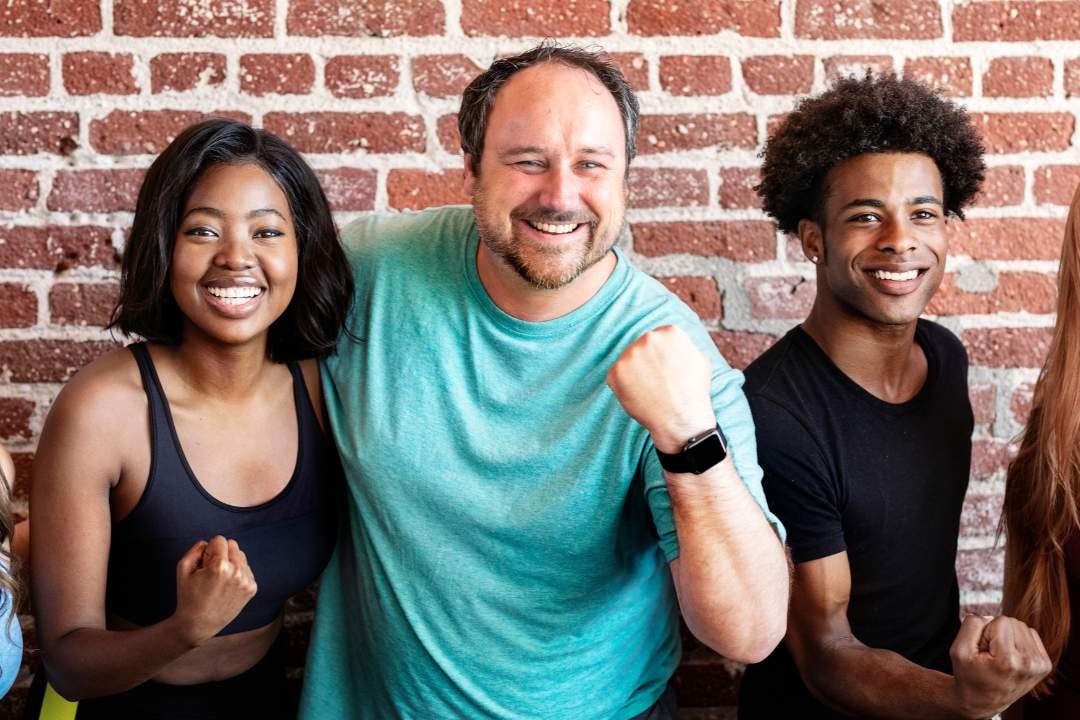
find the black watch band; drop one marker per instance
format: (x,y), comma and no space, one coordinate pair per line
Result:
(699,453)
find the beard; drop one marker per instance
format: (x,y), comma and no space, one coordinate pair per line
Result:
(545,266)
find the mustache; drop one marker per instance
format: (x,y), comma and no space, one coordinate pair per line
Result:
(555,217)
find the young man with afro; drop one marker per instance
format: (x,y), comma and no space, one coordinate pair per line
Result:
(864,424)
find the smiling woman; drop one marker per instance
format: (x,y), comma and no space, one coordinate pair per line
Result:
(183,488)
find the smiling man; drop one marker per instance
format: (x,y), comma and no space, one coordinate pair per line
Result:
(547,459)
(864,425)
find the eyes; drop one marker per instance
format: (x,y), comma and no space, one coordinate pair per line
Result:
(922,216)
(203,232)
(533,166)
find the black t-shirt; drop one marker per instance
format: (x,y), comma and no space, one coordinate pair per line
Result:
(846,471)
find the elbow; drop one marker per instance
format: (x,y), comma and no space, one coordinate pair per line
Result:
(751,643)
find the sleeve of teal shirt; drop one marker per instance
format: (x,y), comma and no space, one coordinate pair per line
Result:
(733,415)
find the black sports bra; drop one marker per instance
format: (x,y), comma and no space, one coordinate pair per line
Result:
(287,540)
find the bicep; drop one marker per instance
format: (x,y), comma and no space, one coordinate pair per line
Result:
(817,615)
(74,469)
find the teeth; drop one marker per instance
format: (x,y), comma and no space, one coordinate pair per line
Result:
(235,295)
(553,229)
(901,276)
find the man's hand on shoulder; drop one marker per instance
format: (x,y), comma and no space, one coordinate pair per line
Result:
(663,381)
(995,661)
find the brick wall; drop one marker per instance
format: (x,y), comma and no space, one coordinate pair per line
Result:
(90,90)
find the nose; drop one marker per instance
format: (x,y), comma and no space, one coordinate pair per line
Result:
(235,252)
(897,236)
(560,190)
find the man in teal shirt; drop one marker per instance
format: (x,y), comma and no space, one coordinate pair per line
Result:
(533,435)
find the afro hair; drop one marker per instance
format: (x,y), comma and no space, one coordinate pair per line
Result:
(875,114)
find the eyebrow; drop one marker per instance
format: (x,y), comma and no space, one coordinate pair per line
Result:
(536,149)
(875,203)
(218,214)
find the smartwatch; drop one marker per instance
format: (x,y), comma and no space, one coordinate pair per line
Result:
(699,453)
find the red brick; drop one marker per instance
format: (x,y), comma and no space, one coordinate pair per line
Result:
(706,685)
(15,417)
(737,188)
(668,187)
(182,18)
(1031,292)
(1007,347)
(843,19)
(779,74)
(1004,185)
(32,361)
(95,190)
(18,306)
(1007,238)
(951,75)
(1017,21)
(1056,184)
(760,18)
(786,298)
(82,303)
(50,18)
(1018,77)
(536,18)
(56,248)
(635,68)
(443,75)
(747,240)
(18,189)
(741,348)
(180,72)
(700,293)
(980,570)
(99,73)
(1020,402)
(989,456)
(669,133)
(980,514)
(24,461)
(695,74)
(362,76)
(418,189)
(127,132)
(449,137)
(1072,78)
(276,73)
(840,66)
(349,188)
(983,398)
(365,18)
(27,133)
(24,74)
(337,132)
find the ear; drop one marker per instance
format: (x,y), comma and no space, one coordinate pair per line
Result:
(812,240)
(469,180)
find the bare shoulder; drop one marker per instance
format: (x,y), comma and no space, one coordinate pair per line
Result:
(310,370)
(101,396)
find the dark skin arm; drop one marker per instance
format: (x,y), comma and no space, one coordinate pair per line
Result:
(994,661)
(79,459)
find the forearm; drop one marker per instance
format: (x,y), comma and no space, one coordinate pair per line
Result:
(731,574)
(91,662)
(874,683)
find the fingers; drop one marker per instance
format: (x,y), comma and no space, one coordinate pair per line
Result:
(191,559)
(999,636)
(968,638)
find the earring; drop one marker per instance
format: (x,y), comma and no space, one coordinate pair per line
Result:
(813,259)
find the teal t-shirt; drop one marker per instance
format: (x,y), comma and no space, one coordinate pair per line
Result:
(508,525)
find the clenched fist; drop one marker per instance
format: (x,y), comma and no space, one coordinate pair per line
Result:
(995,662)
(664,382)
(213,584)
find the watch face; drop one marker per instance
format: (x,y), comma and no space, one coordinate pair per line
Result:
(706,452)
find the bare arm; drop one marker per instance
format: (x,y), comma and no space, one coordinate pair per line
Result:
(731,575)
(994,662)
(78,460)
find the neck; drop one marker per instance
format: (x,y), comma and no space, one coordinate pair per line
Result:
(520,299)
(219,371)
(883,359)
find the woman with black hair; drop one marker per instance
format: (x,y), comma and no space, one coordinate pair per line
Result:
(183,487)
